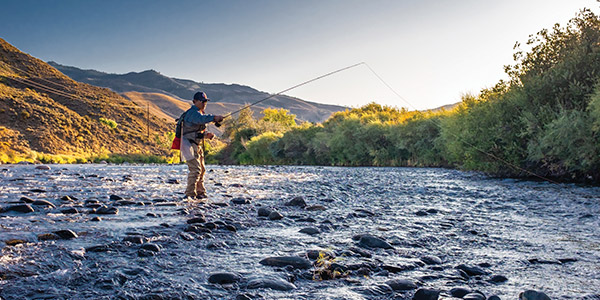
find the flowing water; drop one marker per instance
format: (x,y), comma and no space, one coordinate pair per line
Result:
(537,235)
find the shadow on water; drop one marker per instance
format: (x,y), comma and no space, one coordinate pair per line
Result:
(123,232)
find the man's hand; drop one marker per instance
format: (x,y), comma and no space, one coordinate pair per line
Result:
(209,135)
(218,119)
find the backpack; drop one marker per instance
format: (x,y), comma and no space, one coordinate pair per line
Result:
(177,140)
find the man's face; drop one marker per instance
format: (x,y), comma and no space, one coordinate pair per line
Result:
(200,104)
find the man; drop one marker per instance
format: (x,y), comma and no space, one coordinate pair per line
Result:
(193,133)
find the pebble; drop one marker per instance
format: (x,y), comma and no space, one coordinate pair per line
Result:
(533,295)
(66,234)
(401,284)
(297,201)
(275,215)
(274,283)
(282,261)
(224,278)
(426,294)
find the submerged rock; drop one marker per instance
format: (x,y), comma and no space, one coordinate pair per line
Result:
(371,241)
(22,208)
(459,292)
(310,230)
(66,234)
(274,283)
(240,200)
(431,260)
(43,203)
(264,212)
(474,296)
(104,210)
(282,261)
(471,270)
(275,215)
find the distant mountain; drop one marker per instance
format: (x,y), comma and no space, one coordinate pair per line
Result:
(43,110)
(148,85)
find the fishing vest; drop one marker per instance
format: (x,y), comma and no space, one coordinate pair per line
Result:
(193,132)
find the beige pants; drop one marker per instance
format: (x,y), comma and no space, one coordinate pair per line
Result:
(195,180)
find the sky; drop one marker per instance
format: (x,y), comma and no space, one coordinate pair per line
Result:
(429,52)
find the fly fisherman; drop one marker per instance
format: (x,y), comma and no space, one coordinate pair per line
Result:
(193,133)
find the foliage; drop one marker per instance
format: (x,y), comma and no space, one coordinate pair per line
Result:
(108,122)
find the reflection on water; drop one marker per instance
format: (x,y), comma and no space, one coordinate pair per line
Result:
(538,235)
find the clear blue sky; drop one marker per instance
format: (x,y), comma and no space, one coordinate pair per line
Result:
(430,52)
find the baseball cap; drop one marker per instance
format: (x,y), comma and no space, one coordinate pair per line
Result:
(201,96)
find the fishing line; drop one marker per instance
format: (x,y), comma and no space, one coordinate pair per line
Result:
(459,138)
(291,88)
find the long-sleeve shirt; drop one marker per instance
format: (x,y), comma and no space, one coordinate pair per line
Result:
(195,116)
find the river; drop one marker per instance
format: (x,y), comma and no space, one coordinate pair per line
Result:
(123,232)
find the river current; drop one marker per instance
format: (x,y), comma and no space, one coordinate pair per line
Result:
(124,232)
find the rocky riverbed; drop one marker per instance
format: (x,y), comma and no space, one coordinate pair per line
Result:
(123,232)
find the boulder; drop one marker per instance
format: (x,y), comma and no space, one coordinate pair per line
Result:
(282,261)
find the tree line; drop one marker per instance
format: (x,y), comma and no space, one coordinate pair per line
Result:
(544,120)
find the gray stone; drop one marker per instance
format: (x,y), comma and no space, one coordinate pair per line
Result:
(43,167)
(151,247)
(70,210)
(297,201)
(103,210)
(474,296)
(401,284)
(471,270)
(22,208)
(264,212)
(498,279)
(310,230)
(196,220)
(43,203)
(533,295)
(282,261)
(26,199)
(431,260)
(371,241)
(224,278)
(459,292)
(240,200)
(275,215)
(426,294)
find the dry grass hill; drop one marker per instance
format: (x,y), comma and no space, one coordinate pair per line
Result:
(44,111)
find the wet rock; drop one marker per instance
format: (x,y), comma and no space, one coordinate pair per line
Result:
(421,213)
(96,219)
(240,200)
(498,279)
(264,212)
(151,247)
(426,294)
(224,278)
(474,296)
(217,245)
(371,241)
(282,261)
(43,203)
(544,261)
(37,190)
(124,202)
(316,254)
(98,248)
(361,252)
(401,284)
(397,268)
(115,197)
(196,220)
(533,295)
(471,270)
(68,198)
(296,201)
(21,208)
(70,210)
(186,236)
(310,230)
(197,229)
(210,225)
(431,260)
(173,181)
(43,167)
(48,237)
(230,228)
(104,210)
(145,253)
(236,185)
(26,199)
(432,211)
(66,234)
(459,292)
(316,208)
(14,242)
(275,215)
(244,297)
(135,239)
(494,297)
(274,283)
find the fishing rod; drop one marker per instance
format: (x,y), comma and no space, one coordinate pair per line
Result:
(289,89)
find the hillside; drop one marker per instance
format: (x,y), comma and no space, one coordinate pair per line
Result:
(228,96)
(44,111)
